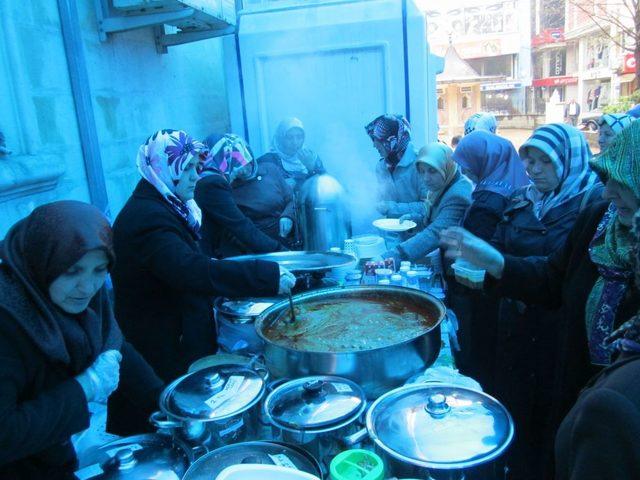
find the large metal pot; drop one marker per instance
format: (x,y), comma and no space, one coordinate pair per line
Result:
(212,407)
(377,370)
(140,456)
(316,412)
(210,465)
(437,431)
(235,319)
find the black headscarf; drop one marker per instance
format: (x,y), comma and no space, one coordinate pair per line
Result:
(36,251)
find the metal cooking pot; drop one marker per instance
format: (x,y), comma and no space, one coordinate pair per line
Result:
(315,412)
(437,431)
(235,319)
(212,407)
(376,370)
(210,465)
(140,456)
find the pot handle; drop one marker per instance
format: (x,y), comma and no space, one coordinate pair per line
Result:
(161,421)
(355,438)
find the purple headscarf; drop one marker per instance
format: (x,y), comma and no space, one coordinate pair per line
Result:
(493,161)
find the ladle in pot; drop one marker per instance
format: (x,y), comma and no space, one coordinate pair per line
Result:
(293,313)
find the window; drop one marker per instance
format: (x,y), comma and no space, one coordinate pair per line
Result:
(440,102)
(466,102)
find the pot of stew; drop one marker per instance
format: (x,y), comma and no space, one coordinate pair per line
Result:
(377,336)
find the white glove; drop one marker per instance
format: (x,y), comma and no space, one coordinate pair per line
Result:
(286,224)
(459,243)
(287,281)
(102,377)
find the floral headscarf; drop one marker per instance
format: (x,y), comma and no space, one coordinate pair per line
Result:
(493,161)
(481,121)
(569,153)
(617,121)
(161,161)
(227,153)
(394,132)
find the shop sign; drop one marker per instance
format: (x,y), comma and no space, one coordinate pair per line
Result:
(490,87)
(547,36)
(597,73)
(554,81)
(629,65)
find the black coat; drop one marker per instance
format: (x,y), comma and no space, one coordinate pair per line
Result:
(42,405)
(226,230)
(164,285)
(600,437)
(274,158)
(564,281)
(484,214)
(525,348)
(265,199)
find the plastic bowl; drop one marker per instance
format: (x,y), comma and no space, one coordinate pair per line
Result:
(468,274)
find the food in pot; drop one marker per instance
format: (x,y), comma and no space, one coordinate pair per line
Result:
(351,324)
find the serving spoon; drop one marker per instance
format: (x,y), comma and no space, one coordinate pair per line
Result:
(293,313)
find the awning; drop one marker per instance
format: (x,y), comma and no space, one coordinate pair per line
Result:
(627,77)
(554,81)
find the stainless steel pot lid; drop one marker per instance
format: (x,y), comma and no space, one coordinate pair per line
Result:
(141,456)
(213,393)
(245,307)
(440,426)
(210,465)
(302,261)
(313,403)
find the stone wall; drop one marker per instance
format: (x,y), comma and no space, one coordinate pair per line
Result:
(134,90)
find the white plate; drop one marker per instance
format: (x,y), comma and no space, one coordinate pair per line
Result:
(394,225)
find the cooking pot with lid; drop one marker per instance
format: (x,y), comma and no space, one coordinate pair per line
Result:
(213,406)
(437,430)
(316,412)
(235,318)
(210,465)
(140,456)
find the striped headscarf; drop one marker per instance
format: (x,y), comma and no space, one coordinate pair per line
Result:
(161,161)
(481,121)
(617,121)
(394,132)
(227,153)
(569,153)
(493,161)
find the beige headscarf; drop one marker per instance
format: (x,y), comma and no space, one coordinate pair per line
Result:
(439,156)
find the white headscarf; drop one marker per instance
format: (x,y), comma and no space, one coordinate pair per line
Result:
(291,163)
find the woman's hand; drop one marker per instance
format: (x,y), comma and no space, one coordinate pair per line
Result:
(286,224)
(287,281)
(102,377)
(459,243)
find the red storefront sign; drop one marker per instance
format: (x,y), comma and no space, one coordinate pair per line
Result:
(554,81)
(629,65)
(548,35)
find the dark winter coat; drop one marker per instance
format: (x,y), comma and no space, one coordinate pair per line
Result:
(526,336)
(226,230)
(484,214)
(600,437)
(164,285)
(41,404)
(274,159)
(564,281)
(265,199)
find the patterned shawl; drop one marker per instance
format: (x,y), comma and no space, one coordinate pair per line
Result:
(617,121)
(227,153)
(161,160)
(567,149)
(493,161)
(481,121)
(394,132)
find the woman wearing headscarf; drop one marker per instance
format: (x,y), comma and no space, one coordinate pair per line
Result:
(610,125)
(164,284)
(589,279)
(537,223)
(481,121)
(600,436)
(400,188)
(447,201)
(226,230)
(288,152)
(493,164)
(60,346)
